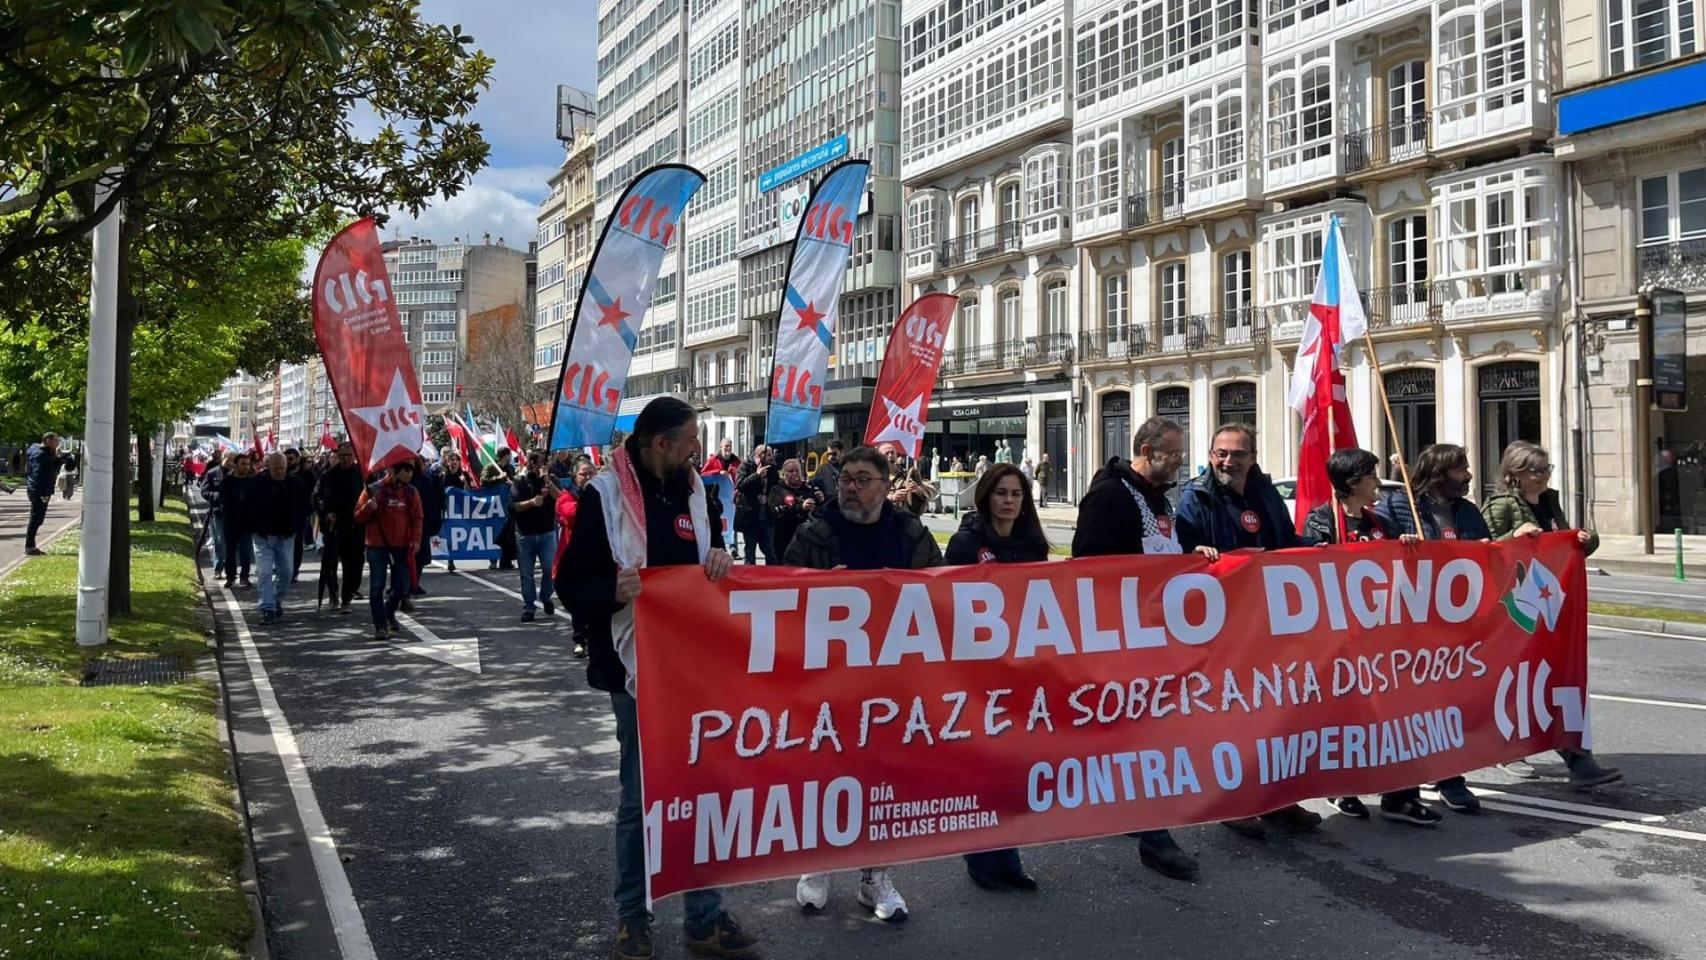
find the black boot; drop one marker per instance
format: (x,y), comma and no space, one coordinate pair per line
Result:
(1157,850)
(1586,772)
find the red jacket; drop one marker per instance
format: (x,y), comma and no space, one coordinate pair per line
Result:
(567,504)
(393,517)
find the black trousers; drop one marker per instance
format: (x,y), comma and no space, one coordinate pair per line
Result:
(38,516)
(239,551)
(347,549)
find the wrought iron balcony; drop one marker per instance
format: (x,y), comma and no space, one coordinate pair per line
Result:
(706,395)
(1402,305)
(972,247)
(1240,326)
(1125,341)
(1386,144)
(1156,207)
(1677,266)
(1048,349)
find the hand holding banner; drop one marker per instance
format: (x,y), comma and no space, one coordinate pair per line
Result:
(828,720)
(361,342)
(908,374)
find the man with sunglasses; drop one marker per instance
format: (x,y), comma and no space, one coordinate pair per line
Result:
(1234,506)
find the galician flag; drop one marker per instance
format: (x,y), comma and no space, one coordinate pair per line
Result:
(1317,385)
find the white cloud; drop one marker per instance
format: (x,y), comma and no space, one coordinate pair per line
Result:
(499,202)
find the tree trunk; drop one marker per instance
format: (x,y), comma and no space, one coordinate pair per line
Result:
(144,476)
(118,569)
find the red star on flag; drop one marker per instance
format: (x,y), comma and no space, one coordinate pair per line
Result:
(1545,593)
(810,316)
(612,314)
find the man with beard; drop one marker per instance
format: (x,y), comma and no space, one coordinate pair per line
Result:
(1232,506)
(862,530)
(335,497)
(234,497)
(647,510)
(1125,512)
(1441,481)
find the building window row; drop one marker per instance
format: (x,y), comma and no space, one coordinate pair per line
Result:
(714,54)
(618,93)
(712,121)
(438,357)
(659,109)
(990,92)
(631,39)
(435,397)
(710,248)
(438,336)
(655,337)
(711,310)
(438,316)
(551,274)
(426,276)
(426,296)
(721,185)
(1673,206)
(435,378)
(618,177)
(951,24)
(1146,40)
(548,355)
(1640,33)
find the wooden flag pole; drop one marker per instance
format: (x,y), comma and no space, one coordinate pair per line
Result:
(1392,425)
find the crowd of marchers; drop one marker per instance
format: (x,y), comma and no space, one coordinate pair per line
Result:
(579,533)
(860,510)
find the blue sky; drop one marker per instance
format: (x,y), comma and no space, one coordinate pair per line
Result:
(537,44)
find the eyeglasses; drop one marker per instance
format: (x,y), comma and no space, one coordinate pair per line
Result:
(1230,454)
(861,481)
(1545,471)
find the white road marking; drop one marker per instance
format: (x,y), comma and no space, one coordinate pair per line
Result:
(347,923)
(1650,703)
(557,610)
(1587,809)
(1609,824)
(1646,633)
(463,653)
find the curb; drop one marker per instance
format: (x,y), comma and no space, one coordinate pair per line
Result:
(256,948)
(1659,566)
(1693,631)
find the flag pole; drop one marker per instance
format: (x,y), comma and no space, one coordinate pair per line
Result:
(1392,425)
(1332,491)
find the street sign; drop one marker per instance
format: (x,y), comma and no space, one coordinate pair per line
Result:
(1669,350)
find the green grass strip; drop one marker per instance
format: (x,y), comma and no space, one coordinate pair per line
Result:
(118,837)
(1648,613)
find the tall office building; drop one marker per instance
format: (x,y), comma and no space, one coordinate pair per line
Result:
(642,62)
(437,286)
(1630,115)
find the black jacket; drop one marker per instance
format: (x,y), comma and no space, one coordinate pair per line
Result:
(275,507)
(336,493)
(1466,520)
(818,542)
(1207,514)
(1109,522)
(430,485)
(825,479)
(977,542)
(234,495)
(212,480)
(752,493)
(1369,526)
(789,507)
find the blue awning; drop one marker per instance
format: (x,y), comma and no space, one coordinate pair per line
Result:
(1642,95)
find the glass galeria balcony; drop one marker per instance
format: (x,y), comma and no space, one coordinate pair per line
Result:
(1492,69)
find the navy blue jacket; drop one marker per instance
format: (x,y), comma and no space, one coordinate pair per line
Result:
(1466,519)
(430,485)
(212,484)
(1206,516)
(41,469)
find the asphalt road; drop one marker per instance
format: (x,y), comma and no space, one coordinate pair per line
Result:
(472,816)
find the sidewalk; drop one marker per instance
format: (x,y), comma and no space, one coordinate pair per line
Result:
(15,517)
(1621,553)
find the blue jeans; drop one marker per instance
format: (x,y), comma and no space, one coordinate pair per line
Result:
(387,565)
(703,907)
(273,558)
(528,548)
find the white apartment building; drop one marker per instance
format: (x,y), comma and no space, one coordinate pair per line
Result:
(1632,130)
(642,77)
(567,234)
(1135,229)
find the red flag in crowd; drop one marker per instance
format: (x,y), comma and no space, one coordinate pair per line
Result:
(1317,385)
(902,399)
(361,341)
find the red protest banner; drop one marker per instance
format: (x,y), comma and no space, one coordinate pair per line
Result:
(361,341)
(796,721)
(908,374)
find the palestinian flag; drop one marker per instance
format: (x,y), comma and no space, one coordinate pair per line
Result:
(1535,598)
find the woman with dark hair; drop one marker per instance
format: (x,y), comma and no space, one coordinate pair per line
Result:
(1353,473)
(1527,506)
(1441,481)
(1004,528)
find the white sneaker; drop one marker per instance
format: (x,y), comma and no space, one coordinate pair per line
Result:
(877,892)
(812,891)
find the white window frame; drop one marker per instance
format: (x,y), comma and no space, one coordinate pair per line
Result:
(1669,27)
(1672,205)
(1172,300)
(1116,304)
